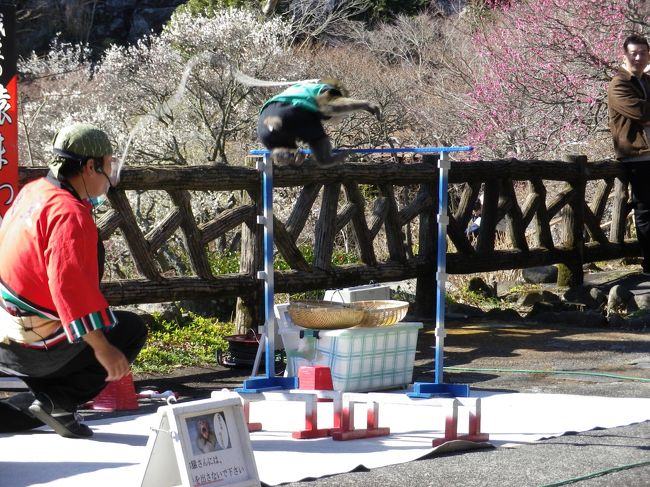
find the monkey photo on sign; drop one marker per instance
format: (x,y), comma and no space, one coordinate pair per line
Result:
(297,114)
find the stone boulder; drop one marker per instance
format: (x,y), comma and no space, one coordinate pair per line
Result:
(586,319)
(618,299)
(540,275)
(531,297)
(506,314)
(479,286)
(590,297)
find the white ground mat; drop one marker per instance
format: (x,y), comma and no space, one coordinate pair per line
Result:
(115,454)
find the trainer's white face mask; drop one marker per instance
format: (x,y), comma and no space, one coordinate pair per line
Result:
(116,172)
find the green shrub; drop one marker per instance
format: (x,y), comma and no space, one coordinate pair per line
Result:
(339,257)
(224,262)
(191,341)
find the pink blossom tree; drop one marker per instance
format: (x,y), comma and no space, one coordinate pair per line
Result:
(542,74)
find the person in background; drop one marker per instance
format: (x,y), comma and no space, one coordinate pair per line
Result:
(629,122)
(57,332)
(475,222)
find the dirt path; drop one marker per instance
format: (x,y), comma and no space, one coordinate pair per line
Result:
(500,348)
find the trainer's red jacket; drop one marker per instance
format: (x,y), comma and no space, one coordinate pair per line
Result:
(49,260)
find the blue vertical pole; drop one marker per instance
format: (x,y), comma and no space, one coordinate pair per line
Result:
(438,388)
(441,273)
(269,382)
(267,274)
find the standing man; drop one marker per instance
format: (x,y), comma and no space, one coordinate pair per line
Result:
(628,97)
(57,332)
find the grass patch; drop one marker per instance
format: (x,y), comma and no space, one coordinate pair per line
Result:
(191,341)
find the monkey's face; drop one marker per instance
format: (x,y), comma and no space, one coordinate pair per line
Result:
(336,84)
(204,429)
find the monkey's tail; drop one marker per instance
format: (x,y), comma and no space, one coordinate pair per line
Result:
(250,81)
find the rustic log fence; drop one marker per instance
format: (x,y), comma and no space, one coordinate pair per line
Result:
(580,198)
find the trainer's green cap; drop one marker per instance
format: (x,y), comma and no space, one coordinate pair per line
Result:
(79,141)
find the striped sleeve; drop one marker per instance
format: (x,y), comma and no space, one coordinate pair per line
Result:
(99,320)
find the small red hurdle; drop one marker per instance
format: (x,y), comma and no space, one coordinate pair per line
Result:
(315,385)
(373,401)
(118,395)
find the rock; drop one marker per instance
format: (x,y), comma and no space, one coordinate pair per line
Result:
(631,305)
(567,306)
(540,308)
(591,267)
(618,298)
(532,297)
(460,310)
(638,323)
(168,311)
(556,307)
(587,319)
(112,21)
(223,309)
(507,314)
(615,320)
(540,275)
(642,301)
(511,298)
(479,286)
(599,297)
(504,287)
(628,261)
(584,295)
(403,290)
(144,20)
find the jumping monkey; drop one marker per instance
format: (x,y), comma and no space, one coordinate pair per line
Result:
(297,114)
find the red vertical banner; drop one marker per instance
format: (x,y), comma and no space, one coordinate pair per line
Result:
(8,106)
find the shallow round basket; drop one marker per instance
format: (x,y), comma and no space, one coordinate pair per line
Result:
(381,312)
(324,315)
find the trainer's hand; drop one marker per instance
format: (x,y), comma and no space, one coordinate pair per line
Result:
(112,359)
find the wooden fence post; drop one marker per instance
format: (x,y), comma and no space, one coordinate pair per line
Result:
(620,210)
(249,310)
(425,288)
(572,273)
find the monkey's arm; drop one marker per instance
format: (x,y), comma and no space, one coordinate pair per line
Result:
(332,106)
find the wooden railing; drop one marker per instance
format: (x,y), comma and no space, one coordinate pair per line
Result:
(520,192)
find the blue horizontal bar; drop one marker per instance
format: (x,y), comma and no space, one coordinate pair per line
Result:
(398,150)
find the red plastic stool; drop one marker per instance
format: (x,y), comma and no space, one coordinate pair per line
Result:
(118,395)
(315,377)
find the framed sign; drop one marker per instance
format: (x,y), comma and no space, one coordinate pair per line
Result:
(200,443)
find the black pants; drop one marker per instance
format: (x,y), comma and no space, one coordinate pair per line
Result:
(639,174)
(297,124)
(70,382)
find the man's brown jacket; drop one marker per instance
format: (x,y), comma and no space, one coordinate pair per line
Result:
(629,107)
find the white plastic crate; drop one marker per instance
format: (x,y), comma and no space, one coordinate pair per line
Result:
(360,359)
(358,293)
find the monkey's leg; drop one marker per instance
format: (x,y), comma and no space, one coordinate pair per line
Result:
(322,151)
(285,156)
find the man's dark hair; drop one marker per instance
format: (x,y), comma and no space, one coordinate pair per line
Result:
(71,167)
(635,39)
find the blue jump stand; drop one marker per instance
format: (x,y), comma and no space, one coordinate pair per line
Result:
(269,382)
(420,389)
(438,388)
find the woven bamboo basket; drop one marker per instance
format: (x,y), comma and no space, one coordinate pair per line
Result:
(324,315)
(379,313)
